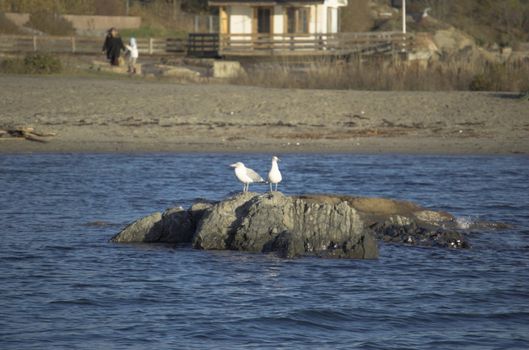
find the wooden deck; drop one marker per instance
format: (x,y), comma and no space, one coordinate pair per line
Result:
(338,44)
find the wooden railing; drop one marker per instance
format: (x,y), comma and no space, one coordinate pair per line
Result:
(318,44)
(203,45)
(85,45)
(215,45)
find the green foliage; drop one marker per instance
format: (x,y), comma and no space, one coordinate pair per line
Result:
(75,7)
(501,76)
(50,23)
(37,63)
(12,66)
(481,82)
(6,26)
(41,63)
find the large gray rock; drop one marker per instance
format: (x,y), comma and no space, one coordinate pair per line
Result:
(291,226)
(174,226)
(319,225)
(147,229)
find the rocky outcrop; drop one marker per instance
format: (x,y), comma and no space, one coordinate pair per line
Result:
(291,226)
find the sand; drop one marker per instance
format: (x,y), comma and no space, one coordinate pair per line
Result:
(136,115)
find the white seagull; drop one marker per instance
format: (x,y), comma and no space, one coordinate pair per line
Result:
(274,176)
(246,175)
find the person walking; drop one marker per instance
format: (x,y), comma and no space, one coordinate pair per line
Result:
(132,52)
(106,44)
(115,47)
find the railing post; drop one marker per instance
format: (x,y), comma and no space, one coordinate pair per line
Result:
(150,46)
(34,43)
(73,44)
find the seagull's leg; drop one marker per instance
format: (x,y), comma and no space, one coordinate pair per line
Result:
(276,186)
(270,186)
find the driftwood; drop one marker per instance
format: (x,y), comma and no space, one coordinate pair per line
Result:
(26,133)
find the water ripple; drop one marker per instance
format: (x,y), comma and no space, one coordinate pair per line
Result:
(62,286)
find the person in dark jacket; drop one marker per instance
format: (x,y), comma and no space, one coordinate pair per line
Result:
(114,47)
(106,45)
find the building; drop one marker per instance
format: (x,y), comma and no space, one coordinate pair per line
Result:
(267,27)
(288,27)
(266,17)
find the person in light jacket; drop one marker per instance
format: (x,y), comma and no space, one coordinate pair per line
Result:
(132,52)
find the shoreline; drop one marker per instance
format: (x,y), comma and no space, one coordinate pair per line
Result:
(370,147)
(131,116)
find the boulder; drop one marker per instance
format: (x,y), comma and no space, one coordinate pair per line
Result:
(292,226)
(147,229)
(175,226)
(333,226)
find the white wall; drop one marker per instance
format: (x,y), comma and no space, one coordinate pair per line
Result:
(278,24)
(335,3)
(334,14)
(241,19)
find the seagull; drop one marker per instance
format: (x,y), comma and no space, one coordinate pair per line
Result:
(274,176)
(246,175)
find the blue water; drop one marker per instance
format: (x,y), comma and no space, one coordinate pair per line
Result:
(63,286)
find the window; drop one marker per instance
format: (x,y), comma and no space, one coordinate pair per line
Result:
(298,19)
(263,20)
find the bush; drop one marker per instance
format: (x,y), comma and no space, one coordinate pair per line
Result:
(41,63)
(6,26)
(37,63)
(481,82)
(12,66)
(50,23)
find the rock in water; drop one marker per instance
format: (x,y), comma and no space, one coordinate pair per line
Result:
(147,229)
(292,226)
(311,225)
(174,226)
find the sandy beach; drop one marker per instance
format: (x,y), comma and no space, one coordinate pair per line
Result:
(135,115)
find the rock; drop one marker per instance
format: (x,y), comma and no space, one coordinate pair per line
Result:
(286,245)
(275,222)
(178,72)
(227,69)
(147,229)
(213,230)
(331,226)
(177,226)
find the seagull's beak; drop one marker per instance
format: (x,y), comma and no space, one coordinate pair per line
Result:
(233,165)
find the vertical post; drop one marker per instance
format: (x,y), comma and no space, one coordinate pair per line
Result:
(403,16)
(210,21)
(150,46)
(174,10)
(197,24)
(127,6)
(73,44)
(34,43)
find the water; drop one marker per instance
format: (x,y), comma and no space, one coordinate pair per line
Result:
(63,286)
